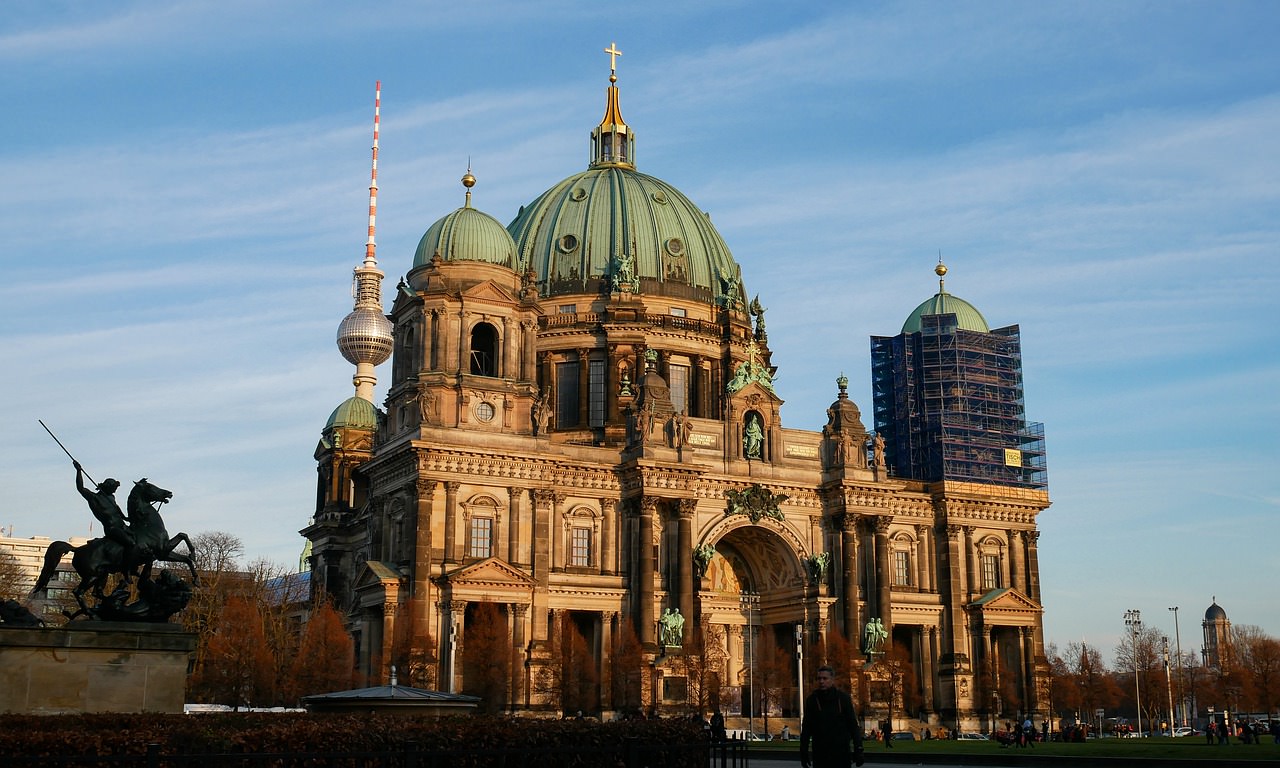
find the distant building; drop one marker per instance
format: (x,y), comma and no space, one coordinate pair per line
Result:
(29,554)
(582,429)
(1217,637)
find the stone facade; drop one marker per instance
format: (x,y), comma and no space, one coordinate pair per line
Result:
(589,456)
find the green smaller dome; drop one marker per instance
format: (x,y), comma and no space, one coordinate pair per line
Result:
(353,413)
(467,235)
(968,317)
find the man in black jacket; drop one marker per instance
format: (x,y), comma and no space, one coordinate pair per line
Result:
(830,725)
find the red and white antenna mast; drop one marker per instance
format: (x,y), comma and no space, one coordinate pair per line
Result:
(371,247)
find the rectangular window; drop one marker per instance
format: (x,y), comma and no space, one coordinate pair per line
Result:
(902,568)
(566,395)
(679,387)
(481,538)
(678,312)
(990,572)
(595,393)
(567,309)
(580,547)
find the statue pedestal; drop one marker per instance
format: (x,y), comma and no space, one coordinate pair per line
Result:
(94,666)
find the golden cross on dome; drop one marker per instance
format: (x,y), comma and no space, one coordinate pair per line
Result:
(614,53)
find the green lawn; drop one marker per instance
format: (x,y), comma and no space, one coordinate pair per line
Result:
(1188,748)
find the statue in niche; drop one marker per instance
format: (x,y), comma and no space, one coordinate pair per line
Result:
(877,450)
(680,429)
(753,438)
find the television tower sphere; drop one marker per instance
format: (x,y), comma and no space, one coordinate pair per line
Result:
(364,336)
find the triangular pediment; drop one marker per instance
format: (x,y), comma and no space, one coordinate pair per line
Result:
(754,395)
(491,292)
(490,572)
(375,574)
(1005,601)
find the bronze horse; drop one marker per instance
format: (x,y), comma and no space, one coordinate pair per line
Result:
(99,558)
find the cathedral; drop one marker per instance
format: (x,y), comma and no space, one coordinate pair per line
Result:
(580,454)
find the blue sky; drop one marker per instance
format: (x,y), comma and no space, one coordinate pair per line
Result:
(186,188)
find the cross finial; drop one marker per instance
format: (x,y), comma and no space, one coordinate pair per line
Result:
(614,53)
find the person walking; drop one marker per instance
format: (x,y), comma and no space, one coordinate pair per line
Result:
(830,726)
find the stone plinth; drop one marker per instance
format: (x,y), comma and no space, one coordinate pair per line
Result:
(94,667)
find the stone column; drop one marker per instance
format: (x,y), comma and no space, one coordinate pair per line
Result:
(433,335)
(1027,652)
(451,543)
(608,536)
(971,558)
(390,609)
(643,583)
(955,592)
(513,526)
(1017,562)
(457,638)
(884,599)
(542,511)
(924,557)
(684,554)
(421,588)
(1033,566)
(607,620)
(849,572)
(519,618)
(928,672)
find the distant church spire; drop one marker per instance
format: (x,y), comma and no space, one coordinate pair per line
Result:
(364,336)
(613,142)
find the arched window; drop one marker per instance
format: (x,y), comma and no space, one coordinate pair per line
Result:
(484,350)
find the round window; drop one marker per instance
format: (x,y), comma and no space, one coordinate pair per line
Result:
(675,246)
(567,243)
(485,411)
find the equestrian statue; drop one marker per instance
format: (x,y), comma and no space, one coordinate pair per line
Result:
(131,543)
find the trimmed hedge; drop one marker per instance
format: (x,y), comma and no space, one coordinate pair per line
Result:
(101,735)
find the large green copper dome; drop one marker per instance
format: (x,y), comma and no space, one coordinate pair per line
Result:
(576,234)
(611,225)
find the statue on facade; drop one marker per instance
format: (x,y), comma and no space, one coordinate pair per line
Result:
(874,636)
(672,624)
(877,450)
(679,430)
(541,414)
(702,559)
(817,565)
(624,275)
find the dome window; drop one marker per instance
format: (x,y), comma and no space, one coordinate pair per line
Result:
(578,194)
(675,246)
(567,243)
(659,198)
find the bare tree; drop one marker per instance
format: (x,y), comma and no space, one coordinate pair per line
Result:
(1142,650)
(628,670)
(13,582)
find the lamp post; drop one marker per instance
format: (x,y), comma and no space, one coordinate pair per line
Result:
(1133,620)
(1168,684)
(750,602)
(800,666)
(1182,696)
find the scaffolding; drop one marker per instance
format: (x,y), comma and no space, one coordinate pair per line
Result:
(948,403)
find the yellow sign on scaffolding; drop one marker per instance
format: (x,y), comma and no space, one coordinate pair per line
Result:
(1012,457)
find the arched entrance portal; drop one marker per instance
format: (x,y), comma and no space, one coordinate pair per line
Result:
(752,596)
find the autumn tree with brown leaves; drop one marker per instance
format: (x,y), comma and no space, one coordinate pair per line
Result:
(324,662)
(486,668)
(239,669)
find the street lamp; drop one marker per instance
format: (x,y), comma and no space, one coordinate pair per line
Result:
(750,601)
(1133,620)
(800,666)
(1168,684)
(1182,696)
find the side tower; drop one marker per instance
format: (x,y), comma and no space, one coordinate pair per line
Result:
(346,442)
(948,407)
(1217,638)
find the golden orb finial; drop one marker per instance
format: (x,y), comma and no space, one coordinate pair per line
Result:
(940,270)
